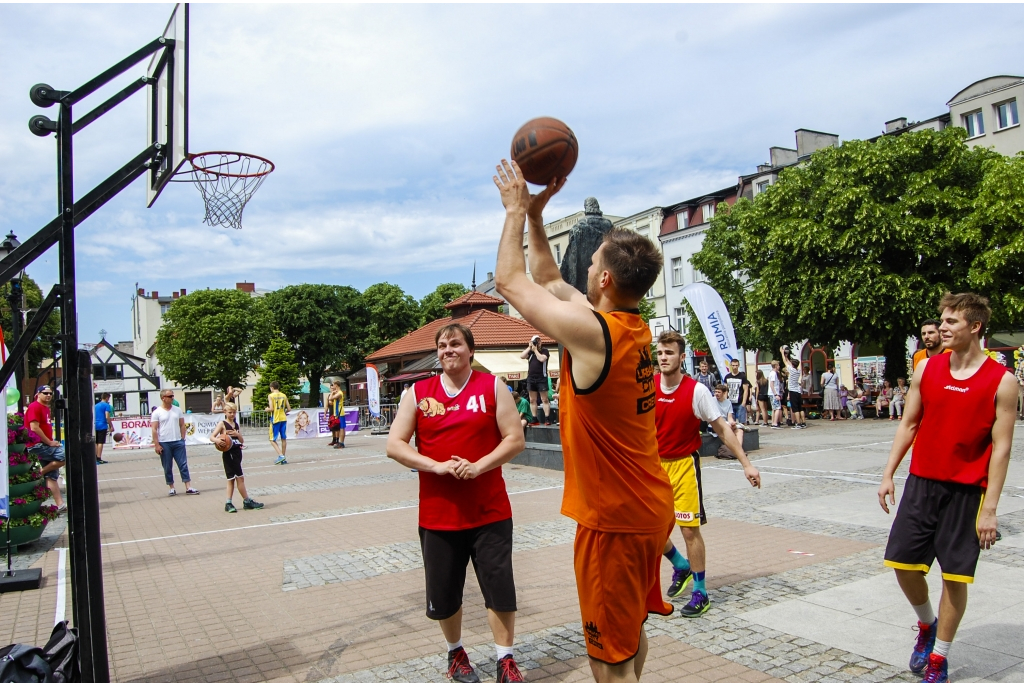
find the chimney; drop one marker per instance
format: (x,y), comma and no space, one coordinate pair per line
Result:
(142,292)
(174,295)
(781,156)
(895,124)
(154,294)
(490,275)
(183,293)
(808,141)
(246,287)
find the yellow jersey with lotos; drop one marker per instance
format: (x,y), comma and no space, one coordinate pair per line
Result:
(278,403)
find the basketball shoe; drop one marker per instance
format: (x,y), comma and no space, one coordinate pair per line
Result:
(937,671)
(925,645)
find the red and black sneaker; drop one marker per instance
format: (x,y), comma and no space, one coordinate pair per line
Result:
(459,668)
(508,671)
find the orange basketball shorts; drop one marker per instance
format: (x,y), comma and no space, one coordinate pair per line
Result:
(618,578)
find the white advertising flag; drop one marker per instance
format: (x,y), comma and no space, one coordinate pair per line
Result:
(373,389)
(5,497)
(715,321)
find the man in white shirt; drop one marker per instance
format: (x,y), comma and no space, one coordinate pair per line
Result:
(796,403)
(775,395)
(168,424)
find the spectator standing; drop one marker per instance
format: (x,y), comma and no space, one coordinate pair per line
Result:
(762,398)
(168,425)
(706,377)
(931,340)
(42,446)
(739,390)
(796,405)
(232,395)
(899,395)
(536,356)
(830,389)
(775,395)
(218,404)
(104,415)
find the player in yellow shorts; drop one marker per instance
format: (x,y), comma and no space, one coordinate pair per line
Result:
(682,403)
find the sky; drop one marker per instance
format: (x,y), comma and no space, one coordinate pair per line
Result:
(385,122)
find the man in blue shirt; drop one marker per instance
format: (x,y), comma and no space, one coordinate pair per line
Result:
(104,417)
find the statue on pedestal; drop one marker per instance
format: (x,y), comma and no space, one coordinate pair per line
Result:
(584,239)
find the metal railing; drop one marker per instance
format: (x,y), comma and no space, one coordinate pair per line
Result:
(262,418)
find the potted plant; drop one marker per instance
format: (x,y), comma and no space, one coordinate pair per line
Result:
(29,503)
(28,528)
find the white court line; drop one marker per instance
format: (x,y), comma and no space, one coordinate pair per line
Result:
(252,468)
(62,585)
(285,523)
(827,449)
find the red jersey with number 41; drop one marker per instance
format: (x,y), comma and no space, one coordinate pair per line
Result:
(954,442)
(466,426)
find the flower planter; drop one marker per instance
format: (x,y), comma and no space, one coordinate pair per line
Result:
(24,488)
(19,469)
(20,511)
(22,535)
(19,448)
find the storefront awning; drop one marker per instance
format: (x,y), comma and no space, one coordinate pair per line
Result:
(509,365)
(409,377)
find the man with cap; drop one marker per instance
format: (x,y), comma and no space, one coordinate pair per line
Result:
(42,446)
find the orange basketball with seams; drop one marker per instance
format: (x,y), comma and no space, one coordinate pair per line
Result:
(223,443)
(545,148)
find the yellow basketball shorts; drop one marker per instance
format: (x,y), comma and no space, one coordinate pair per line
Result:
(687,494)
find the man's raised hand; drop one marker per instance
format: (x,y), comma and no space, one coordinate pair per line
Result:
(539,201)
(512,186)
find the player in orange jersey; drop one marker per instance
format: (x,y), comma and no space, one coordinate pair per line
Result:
(615,488)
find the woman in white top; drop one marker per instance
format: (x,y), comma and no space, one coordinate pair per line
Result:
(830,388)
(899,394)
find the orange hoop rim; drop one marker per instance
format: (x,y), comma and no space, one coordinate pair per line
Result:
(214,172)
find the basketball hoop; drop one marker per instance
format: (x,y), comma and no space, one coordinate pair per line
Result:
(227,180)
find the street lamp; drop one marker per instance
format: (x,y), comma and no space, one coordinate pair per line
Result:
(16,299)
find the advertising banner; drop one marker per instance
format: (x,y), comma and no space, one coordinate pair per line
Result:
(5,490)
(715,321)
(373,389)
(135,432)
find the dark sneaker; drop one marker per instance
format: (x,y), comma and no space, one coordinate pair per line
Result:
(230,508)
(937,671)
(459,668)
(339,445)
(680,579)
(332,443)
(102,461)
(279,461)
(251,504)
(508,672)
(698,604)
(191,491)
(925,645)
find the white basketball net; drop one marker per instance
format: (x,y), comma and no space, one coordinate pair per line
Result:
(227,180)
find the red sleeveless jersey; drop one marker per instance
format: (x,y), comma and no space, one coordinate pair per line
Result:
(465,426)
(678,427)
(954,442)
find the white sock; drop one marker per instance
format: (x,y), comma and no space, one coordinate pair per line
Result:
(502,652)
(453,645)
(925,613)
(941,648)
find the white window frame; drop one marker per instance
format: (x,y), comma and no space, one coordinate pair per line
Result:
(708,211)
(558,254)
(978,125)
(698,277)
(680,317)
(761,187)
(683,219)
(1012,119)
(677,271)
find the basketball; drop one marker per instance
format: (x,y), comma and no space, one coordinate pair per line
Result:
(544,148)
(118,437)
(223,442)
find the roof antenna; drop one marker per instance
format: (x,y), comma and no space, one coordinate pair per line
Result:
(473,287)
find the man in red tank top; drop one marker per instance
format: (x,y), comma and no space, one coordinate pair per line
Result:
(682,404)
(960,409)
(466,427)
(615,488)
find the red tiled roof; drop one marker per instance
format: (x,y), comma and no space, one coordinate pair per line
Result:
(490,329)
(474,297)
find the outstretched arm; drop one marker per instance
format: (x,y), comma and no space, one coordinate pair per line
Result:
(570,322)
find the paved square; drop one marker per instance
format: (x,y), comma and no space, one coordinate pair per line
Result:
(326,582)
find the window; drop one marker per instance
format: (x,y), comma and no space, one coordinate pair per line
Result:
(118,402)
(683,219)
(106,371)
(975,124)
(708,210)
(645,231)
(1006,114)
(677,271)
(164,308)
(143,403)
(698,277)
(761,187)
(677,314)
(558,254)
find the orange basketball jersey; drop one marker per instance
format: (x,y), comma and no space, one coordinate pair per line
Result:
(614,481)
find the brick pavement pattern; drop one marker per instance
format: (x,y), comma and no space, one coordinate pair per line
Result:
(326,582)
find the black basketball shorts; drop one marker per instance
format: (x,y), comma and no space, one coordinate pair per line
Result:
(101,436)
(537,384)
(447,553)
(937,520)
(232,463)
(796,401)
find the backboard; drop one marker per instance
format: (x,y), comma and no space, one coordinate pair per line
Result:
(167,103)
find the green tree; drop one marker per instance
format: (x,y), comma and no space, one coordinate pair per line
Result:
(278,365)
(858,244)
(40,349)
(213,338)
(391,312)
(432,305)
(647,310)
(325,325)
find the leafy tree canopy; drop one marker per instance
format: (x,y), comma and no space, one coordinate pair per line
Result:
(213,338)
(647,310)
(40,349)
(325,325)
(392,314)
(432,305)
(861,242)
(278,365)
